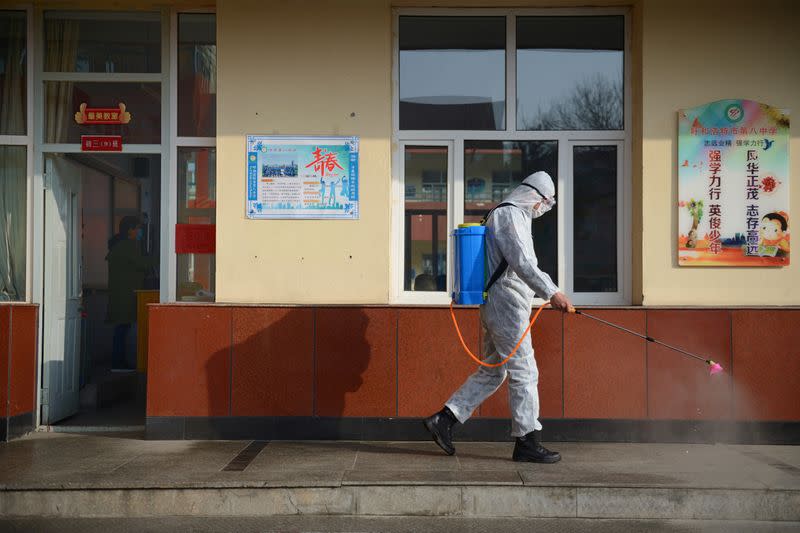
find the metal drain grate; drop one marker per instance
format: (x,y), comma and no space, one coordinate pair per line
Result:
(246,456)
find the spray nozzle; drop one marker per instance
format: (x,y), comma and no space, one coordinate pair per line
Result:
(714,368)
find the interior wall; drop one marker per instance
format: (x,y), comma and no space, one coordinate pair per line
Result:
(96,216)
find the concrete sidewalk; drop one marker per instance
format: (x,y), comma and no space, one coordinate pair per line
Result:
(65,475)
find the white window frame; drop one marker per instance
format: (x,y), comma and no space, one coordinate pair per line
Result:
(42,148)
(176,142)
(564,138)
(623,268)
(167,150)
(424,297)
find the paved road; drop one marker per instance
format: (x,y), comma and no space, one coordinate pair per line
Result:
(388,525)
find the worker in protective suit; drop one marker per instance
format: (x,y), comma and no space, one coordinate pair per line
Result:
(504,317)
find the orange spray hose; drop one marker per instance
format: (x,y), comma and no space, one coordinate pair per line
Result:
(509,356)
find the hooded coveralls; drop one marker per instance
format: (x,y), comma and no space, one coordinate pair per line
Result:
(507,311)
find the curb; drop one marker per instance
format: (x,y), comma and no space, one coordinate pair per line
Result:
(418,500)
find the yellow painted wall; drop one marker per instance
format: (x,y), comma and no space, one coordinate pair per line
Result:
(302,68)
(695,52)
(336,57)
(680,58)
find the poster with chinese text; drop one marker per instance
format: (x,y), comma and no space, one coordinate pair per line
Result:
(733,185)
(302,177)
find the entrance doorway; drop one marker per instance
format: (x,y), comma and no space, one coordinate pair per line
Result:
(141,83)
(102,262)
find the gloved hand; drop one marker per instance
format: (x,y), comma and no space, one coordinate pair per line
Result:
(561,302)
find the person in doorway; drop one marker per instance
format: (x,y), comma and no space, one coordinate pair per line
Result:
(504,318)
(127,268)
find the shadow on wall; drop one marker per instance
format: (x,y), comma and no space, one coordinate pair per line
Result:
(286,362)
(343,355)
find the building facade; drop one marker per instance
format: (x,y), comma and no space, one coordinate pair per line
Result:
(340,328)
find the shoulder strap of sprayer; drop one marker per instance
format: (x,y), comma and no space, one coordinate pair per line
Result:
(501,268)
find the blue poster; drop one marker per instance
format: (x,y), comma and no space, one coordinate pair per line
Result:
(302,177)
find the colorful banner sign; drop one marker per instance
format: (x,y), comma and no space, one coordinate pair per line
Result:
(102,115)
(733,185)
(101,143)
(302,177)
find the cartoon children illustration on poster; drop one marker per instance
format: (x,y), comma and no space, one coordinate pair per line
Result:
(774,233)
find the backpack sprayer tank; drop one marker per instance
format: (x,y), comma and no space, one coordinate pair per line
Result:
(469,271)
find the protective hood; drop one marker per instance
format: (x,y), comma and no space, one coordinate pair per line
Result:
(525,197)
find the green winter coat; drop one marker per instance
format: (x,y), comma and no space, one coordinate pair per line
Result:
(127,268)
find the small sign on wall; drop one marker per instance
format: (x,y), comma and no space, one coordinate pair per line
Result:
(102,115)
(195,238)
(733,185)
(101,143)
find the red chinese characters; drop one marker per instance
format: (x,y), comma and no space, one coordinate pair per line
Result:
(324,161)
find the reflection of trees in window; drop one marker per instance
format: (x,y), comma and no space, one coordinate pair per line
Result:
(594,104)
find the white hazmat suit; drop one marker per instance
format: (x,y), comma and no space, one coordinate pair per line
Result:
(507,311)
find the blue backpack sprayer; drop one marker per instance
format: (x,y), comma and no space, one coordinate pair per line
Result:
(470,288)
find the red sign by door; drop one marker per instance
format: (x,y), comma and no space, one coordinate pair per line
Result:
(102,115)
(195,238)
(101,143)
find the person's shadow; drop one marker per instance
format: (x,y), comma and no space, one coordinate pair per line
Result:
(287,368)
(343,354)
(304,368)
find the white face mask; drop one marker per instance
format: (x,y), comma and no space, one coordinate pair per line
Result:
(542,206)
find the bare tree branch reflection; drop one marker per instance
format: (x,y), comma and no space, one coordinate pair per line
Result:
(594,104)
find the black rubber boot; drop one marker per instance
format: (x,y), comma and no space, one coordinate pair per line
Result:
(440,426)
(529,449)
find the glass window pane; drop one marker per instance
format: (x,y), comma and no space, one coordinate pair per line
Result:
(425,218)
(452,73)
(197,185)
(197,75)
(595,218)
(196,277)
(64,101)
(492,169)
(197,204)
(88,41)
(13,213)
(570,73)
(13,84)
